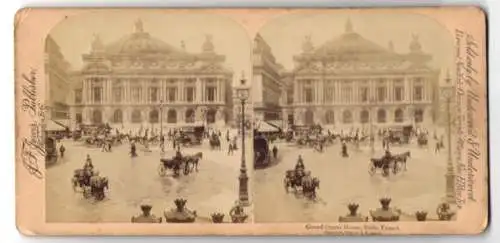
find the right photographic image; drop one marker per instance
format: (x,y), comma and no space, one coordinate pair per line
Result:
(353,113)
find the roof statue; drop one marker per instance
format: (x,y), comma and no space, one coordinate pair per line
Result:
(348,26)
(208,46)
(415,45)
(183,45)
(97,44)
(307,45)
(139,28)
(390,46)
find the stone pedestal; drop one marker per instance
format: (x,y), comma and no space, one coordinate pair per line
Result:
(146,216)
(353,216)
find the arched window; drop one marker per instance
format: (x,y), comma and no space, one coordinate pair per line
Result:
(154,116)
(309,118)
(97,117)
(419,115)
(347,117)
(211,116)
(136,116)
(172,116)
(364,116)
(398,116)
(118,116)
(381,116)
(330,117)
(189,116)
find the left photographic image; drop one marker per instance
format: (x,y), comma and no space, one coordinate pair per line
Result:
(143,122)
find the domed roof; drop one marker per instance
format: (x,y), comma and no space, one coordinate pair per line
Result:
(350,42)
(140,42)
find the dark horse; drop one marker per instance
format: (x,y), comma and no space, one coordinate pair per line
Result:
(194,160)
(292,179)
(215,142)
(97,188)
(309,187)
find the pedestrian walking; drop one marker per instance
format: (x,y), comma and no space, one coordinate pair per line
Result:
(230,150)
(62,149)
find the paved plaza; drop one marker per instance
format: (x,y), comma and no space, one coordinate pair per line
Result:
(346,180)
(214,188)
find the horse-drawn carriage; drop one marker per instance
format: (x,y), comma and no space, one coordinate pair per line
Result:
(388,162)
(185,163)
(422,140)
(300,179)
(90,182)
(215,141)
(191,135)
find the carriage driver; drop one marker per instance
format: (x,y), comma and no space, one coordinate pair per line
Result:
(300,163)
(88,163)
(387,155)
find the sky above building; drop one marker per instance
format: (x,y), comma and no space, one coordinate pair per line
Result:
(75,34)
(285,34)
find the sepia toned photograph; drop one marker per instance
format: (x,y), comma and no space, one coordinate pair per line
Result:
(354,118)
(194,122)
(143,119)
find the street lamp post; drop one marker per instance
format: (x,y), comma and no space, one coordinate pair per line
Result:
(161,117)
(372,134)
(450,170)
(243,94)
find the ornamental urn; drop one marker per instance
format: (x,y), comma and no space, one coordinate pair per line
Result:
(421,215)
(385,213)
(180,214)
(444,212)
(353,215)
(217,218)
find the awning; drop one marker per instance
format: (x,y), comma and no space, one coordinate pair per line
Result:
(266,127)
(276,123)
(52,126)
(63,122)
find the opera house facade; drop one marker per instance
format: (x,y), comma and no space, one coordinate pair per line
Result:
(140,80)
(350,81)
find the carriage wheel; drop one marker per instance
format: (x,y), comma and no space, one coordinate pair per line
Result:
(372,170)
(74,183)
(161,170)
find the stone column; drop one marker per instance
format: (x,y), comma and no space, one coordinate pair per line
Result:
(127,98)
(408,89)
(180,90)
(145,92)
(198,90)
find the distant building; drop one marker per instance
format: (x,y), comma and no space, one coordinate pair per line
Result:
(267,86)
(57,81)
(350,82)
(140,80)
